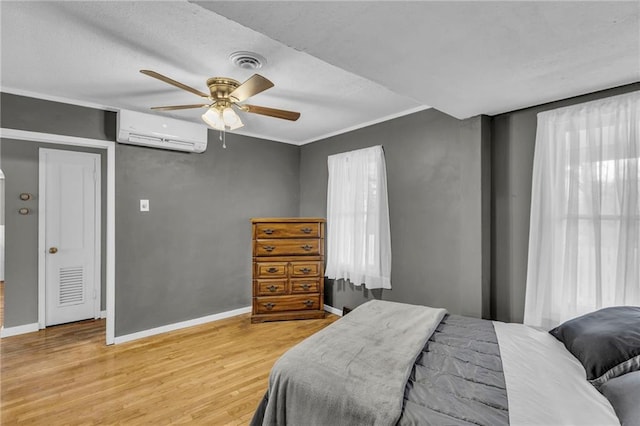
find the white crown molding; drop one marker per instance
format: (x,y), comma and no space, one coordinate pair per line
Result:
(54,98)
(366,124)
(64,100)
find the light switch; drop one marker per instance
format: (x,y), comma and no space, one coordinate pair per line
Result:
(144,205)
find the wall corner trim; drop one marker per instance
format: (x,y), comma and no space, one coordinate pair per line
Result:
(180,325)
(17,330)
(332,310)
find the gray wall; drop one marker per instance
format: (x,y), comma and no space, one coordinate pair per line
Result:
(190,255)
(514,135)
(37,115)
(1,215)
(1,201)
(438,176)
(1,195)
(198,223)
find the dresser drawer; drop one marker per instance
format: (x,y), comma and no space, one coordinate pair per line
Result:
(264,305)
(305,269)
(305,285)
(287,230)
(271,269)
(271,287)
(286,247)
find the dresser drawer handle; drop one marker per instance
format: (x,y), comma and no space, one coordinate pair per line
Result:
(305,286)
(269,248)
(268,231)
(305,270)
(269,305)
(308,303)
(306,230)
(272,270)
(307,247)
(272,288)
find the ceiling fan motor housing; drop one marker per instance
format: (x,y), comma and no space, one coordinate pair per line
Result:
(221,87)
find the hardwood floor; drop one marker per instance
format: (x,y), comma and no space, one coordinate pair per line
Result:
(212,374)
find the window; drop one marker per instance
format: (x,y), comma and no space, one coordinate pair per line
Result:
(358,233)
(585,211)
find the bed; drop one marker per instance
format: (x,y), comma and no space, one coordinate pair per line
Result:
(389,363)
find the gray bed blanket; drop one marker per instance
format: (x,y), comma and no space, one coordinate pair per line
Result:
(353,372)
(458,378)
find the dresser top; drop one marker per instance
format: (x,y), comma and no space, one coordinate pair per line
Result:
(286,219)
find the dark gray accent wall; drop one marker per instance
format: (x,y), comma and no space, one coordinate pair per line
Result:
(438,175)
(19,162)
(514,135)
(190,255)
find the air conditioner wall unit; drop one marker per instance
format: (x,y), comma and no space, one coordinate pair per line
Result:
(136,128)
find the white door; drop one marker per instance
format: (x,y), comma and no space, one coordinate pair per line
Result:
(72,235)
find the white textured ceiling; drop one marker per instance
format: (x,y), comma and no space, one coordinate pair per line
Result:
(341,64)
(463,58)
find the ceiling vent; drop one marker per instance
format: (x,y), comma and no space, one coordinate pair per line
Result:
(247,60)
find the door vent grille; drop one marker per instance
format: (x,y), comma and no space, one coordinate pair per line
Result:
(71,286)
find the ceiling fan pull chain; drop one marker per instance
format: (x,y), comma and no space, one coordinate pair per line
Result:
(223,138)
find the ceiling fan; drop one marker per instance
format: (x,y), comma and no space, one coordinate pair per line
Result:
(225,94)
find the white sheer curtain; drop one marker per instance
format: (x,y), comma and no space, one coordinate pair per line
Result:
(358,233)
(584,237)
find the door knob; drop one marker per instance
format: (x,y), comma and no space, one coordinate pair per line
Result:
(53,250)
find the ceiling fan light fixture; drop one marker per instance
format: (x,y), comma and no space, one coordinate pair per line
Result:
(213,117)
(237,125)
(222,118)
(230,117)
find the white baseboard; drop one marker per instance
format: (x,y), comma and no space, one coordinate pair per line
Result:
(333,310)
(180,325)
(30,328)
(20,329)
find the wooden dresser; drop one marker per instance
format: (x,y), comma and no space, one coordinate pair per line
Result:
(288,268)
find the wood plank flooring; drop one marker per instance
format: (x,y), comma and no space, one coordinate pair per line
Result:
(212,374)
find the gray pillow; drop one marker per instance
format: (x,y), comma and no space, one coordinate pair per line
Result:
(606,342)
(624,395)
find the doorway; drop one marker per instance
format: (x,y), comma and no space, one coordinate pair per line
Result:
(22,320)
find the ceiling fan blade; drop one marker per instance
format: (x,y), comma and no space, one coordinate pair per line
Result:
(271,112)
(254,85)
(174,107)
(174,83)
